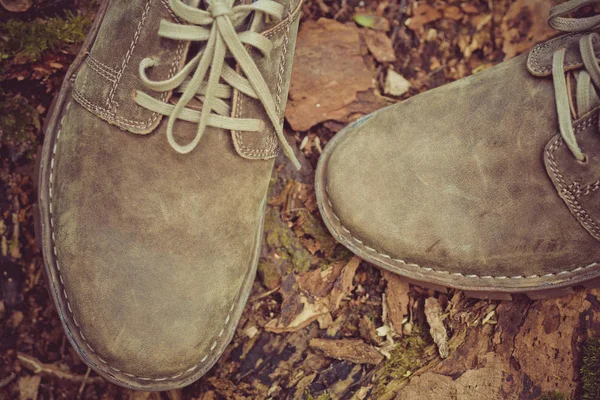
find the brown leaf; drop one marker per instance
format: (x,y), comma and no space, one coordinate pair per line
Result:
(320,282)
(435,319)
(487,382)
(367,330)
(307,299)
(29,386)
(16,5)
(543,345)
(344,284)
(354,350)
(452,12)
(365,103)
(397,299)
(423,15)
(310,312)
(524,25)
(380,45)
(327,74)
(469,8)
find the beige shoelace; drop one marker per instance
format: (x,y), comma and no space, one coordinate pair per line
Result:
(218,28)
(586,95)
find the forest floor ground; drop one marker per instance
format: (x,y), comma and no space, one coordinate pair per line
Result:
(320,323)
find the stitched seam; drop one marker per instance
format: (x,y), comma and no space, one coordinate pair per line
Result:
(569,197)
(171,13)
(271,149)
(542,46)
(132,46)
(107,68)
(110,114)
(163,97)
(282,64)
(359,243)
(64,292)
(103,112)
(585,190)
(100,68)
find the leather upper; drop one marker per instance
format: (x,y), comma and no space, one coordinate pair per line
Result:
(153,246)
(455,179)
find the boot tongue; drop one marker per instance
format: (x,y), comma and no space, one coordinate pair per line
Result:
(539,61)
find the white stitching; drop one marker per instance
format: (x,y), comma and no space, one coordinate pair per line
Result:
(360,243)
(569,197)
(270,150)
(110,114)
(101,68)
(535,63)
(69,308)
(132,47)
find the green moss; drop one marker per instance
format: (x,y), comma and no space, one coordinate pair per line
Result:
(281,239)
(590,369)
(406,357)
(19,121)
(324,396)
(268,274)
(554,396)
(27,41)
(314,227)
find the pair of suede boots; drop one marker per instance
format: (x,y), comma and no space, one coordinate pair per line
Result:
(160,145)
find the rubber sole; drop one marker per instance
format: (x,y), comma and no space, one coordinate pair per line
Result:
(535,287)
(55,286)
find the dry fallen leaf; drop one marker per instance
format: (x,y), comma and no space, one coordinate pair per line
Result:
(320,282)
(16,5)
(312,295)
(452,12)
(380,45)
(397,299)
(354,350)
(311,311)
(435,319)
(524,25)
(327,74)
(423,15)
(29,387)
(487,382)
(343,286)
(469,8)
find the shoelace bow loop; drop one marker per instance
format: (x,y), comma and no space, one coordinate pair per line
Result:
(217,27)
(588,79)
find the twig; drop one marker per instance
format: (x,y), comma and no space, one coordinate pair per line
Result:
(7,380)
(342,11)
(85,378)
(37,367)
(263,295)
(323,7)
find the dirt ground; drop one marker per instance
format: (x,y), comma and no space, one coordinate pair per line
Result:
(320,323)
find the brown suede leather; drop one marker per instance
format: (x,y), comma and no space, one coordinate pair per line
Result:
(450,187)
(150,253)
